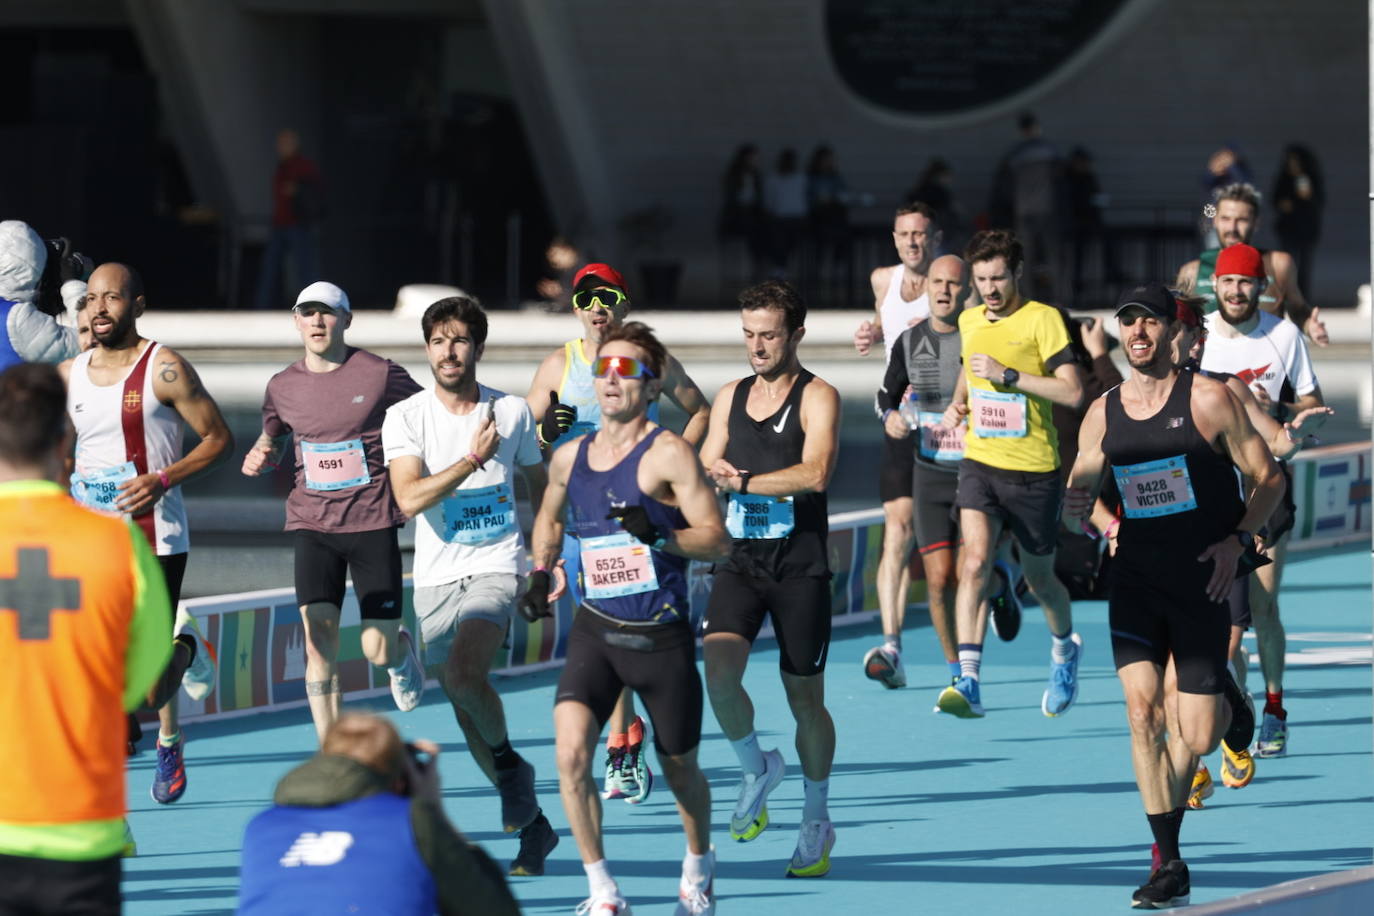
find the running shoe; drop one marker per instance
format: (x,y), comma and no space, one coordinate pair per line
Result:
(750,816)
(519,807)
(1202,787)
(884,664)
(1063,689)
(1273,736)
(618,783)
(199,679)
(537,840)
(812,856)
(603,905)
(1242,729)
(1168,887)
(698,899)
(130,849)
(169,777)
(1006,604)
(639,779)
(1237,767)
(408,679)
(961,699)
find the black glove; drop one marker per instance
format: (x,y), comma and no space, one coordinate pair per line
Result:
(558,419)
(636,521)
(535,602)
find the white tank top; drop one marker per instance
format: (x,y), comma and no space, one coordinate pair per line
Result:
(105,458)
(895,312)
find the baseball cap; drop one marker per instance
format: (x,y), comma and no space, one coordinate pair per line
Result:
(1155,298)
(322,292)
(1241,259)
(599,275)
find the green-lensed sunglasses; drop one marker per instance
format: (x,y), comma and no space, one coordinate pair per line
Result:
(604,296)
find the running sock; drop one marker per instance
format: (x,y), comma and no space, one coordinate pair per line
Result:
(696,869)
(636,732)
(503,756)
(750,754)
(1062,648)
(617,740)
(817,795)
(970,659)
(1165,827)
(167,740)
(894,643)
(599,879)
(1273,705)
(954,668)
(189,641)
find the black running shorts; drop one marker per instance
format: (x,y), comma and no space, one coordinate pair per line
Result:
(1286,515)
(800,609)
(657,661)
(174,573)
(32,885)
(1027,502)
(894,474)
(1239,602)
(324,561)
(1158,612)
(936,519)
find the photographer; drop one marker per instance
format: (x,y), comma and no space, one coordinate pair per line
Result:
(361,822)
(38,281)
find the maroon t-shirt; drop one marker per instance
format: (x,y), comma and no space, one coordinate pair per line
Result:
(335,419)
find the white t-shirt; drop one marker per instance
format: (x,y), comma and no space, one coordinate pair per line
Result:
(1272,353)
(476,528)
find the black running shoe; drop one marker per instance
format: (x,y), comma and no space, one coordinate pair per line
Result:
(1242,730)
(1168,887)
(518,805)
(1006,604)
(536,842)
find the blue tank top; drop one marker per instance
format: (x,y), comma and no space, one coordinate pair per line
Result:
(358,857)
(578,390)
(8,355)
(622,577)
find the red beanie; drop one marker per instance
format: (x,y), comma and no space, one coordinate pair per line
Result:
(1240,259)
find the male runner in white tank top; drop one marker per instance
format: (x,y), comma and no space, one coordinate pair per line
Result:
(128,398)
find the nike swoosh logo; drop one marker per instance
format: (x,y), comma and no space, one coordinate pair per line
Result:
(783,422)
(817,662)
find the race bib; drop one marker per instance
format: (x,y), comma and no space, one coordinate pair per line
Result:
(998,414)
(937,442)
(334,465)
(753,517)
(99,489)
(479,516)
(614,565)
(1155,488)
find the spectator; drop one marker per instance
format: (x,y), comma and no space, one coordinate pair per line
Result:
(360,822)
(296,208)
(1026,195)
(29,327)
(84,618)
(1086,229)
(1300,196)
(1225,167)
(741,213)
(784,200)
(827,203)
(935,189)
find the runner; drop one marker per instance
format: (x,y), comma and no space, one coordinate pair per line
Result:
(452,453)
(772,447)
(1269,355)
(922,374)
(641,506)
(327,408)
(128,398)
(1171,439)
(1018,361)
(563,400)
(1235,216)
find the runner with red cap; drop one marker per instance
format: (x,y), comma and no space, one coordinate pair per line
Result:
(562,398)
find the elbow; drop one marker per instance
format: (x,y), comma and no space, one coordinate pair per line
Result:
(409,507)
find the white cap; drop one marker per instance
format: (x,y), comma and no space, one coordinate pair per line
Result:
(322,292)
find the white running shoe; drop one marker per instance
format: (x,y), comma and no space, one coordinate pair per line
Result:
(200,678)
(812,856)
(751,809)
(603,905)
(884,664)
(698,899)
(408,679)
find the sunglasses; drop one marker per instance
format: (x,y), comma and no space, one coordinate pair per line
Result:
(623,366)
(606,297)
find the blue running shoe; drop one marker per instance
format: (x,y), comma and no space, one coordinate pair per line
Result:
(169,779)
(961,699)
(1006,605)
(1063,689)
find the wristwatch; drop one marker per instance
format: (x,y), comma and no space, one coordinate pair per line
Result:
(1247,540)
(743,482)
(1010,377)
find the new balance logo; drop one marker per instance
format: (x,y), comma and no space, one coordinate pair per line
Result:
(326,848)
(1174,423)
(777,428)
(76,408)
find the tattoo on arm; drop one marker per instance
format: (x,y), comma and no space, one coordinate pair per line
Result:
(322,688)
(169,372)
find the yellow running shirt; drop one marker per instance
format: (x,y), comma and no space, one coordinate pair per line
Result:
(1009,428)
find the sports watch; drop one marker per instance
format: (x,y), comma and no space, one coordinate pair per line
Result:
(1010,377)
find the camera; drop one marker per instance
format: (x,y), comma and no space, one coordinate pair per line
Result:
(64,263)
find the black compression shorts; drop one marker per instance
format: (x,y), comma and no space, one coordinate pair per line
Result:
(1239,602)
(1153,615)
(174,573)
(1027,502)
(324,560)
(894,474)
(800,609)
(936,519)
(657,661)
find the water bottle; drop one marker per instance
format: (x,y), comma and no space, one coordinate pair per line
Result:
(910,409)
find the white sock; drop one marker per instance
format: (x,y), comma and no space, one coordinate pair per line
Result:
(970,659)
(750,754)
(817,794)
(697,869)
(599,879)
(894,643)
(1063,648)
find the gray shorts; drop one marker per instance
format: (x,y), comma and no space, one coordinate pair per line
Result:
(441,608)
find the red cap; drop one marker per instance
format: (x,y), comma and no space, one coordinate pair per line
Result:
(1240,259)
(605,273)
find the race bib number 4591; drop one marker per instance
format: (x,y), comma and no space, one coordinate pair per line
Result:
(334,465)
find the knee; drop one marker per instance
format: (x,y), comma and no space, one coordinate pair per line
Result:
(973,566)
(574,761)
(807,702)
(1040,577)
(676,773)
(464,687)
(897,532)
(1146,719)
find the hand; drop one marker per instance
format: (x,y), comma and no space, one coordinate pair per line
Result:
(1266,403)
(485,440)
(1225,554)
(1309,421)
(535,603)
(635,520)
(558,419)
(985,367)
(1316,328)
(954,414)
(895,425)
(422,781)
(725,476)
(866,335)
(139,495)
(1095,337)
(1078,505)
(259,460)
(1111,544)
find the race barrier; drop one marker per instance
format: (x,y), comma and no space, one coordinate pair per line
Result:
(261,641)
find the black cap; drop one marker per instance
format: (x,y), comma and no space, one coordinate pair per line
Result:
(1155,298)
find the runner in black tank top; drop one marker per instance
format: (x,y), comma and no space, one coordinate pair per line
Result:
(771,449)
(1169,439)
